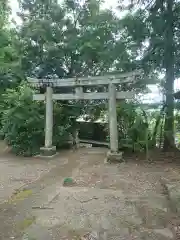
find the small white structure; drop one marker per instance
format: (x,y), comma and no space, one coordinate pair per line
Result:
(102,120)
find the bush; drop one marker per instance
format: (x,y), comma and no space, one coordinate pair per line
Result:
(23,122)
(133,128)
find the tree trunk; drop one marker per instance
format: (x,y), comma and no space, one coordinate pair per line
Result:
(169,78)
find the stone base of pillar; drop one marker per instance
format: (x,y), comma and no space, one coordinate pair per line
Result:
(48,151)
(114,157)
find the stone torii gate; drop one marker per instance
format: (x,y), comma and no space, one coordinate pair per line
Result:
(78,83)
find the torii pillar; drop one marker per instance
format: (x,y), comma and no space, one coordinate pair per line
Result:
(113,155)
(48,150)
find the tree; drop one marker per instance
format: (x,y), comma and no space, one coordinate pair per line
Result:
(70,39)
(73,39)
(170,74)
(158,21)
(9,60)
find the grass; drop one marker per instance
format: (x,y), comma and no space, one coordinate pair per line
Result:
(20,195)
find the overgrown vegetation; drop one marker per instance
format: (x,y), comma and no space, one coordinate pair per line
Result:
(23,122)
(75,39)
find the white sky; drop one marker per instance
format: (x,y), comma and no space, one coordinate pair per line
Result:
(155,96)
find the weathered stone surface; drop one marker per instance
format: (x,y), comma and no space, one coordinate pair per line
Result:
(83,208)
(114,157)
(48,152)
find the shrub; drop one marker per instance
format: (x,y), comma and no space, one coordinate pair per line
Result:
(133,128)
(23,122)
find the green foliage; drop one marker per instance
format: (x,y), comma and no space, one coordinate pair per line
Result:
(10,72)
(138,130)
(68,180)
(4,11)
(23,122)
(75,39)
(153,30)
(71,39)
(133,127)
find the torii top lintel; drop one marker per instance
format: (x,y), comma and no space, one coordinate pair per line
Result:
(88,81)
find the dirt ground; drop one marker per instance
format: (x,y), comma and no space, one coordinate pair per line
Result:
(107,201)
(16,172)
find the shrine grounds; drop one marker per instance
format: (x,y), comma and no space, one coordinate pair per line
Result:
(136,199)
